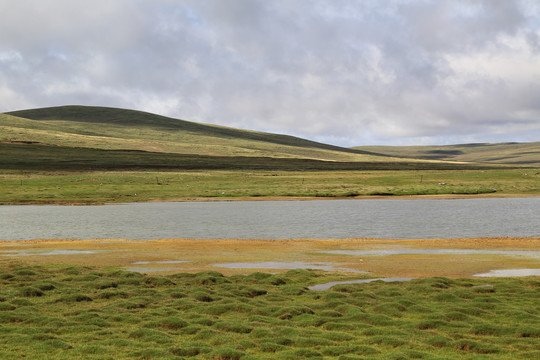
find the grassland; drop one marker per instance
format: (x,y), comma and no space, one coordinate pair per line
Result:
(78,154)
(51,309)
(73,312)
(119,129)
(121,186)
(38,157)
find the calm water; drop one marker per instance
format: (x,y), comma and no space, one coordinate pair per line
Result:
(394,219)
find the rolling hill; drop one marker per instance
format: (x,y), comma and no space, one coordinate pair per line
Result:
(511,153)
(87,137)
(119,129)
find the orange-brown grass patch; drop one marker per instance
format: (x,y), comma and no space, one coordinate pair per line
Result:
(165,255)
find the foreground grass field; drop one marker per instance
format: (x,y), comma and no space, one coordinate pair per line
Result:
(135,186)
(73,312)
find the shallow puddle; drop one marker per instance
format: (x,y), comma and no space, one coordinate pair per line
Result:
(322,287)
(124,242)
(40,252)
(148,269)
(408,251)
(510,273)
(160,262)
(291,265)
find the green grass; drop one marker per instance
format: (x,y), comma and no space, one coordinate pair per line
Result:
(135,186)
(255,317)
(39,157)
(83,154)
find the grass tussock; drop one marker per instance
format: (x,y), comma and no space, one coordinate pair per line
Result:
(75,312)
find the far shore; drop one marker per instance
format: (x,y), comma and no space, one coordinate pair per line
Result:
(279,198)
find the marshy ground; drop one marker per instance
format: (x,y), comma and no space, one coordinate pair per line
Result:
(238,299)
(378,257)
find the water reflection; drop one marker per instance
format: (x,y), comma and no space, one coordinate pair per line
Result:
(160,262)
(148,269)
(291,265)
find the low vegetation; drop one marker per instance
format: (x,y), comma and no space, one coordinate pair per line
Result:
(98,155)
(74,312)
(134,186)
(39,157)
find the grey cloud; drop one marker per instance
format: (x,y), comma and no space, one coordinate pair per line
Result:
(346,72)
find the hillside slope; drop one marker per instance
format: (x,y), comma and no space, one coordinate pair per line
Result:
(86,137)
(119,129)
(497,153)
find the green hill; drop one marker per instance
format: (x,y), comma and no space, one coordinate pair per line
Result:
(119,129)
(498,153)
(85,137)
(79,154)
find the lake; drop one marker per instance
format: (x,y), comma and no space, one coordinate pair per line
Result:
(378,218)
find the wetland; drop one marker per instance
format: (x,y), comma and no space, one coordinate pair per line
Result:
(127,292)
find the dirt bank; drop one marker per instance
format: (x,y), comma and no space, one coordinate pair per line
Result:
(280,198)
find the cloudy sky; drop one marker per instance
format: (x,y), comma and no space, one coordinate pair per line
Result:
(345,72)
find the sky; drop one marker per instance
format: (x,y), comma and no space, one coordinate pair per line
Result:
(343,72)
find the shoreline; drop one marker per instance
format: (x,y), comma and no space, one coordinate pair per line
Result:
(499,241)
(279,198)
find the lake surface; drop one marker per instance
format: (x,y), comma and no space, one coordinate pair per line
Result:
(386,218)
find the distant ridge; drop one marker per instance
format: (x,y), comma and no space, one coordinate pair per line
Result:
(512,153)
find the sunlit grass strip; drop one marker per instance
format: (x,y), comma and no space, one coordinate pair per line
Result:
(131,186)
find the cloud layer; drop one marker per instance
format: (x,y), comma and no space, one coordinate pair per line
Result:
(343,72)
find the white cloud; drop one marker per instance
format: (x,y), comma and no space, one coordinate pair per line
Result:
(345,72)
